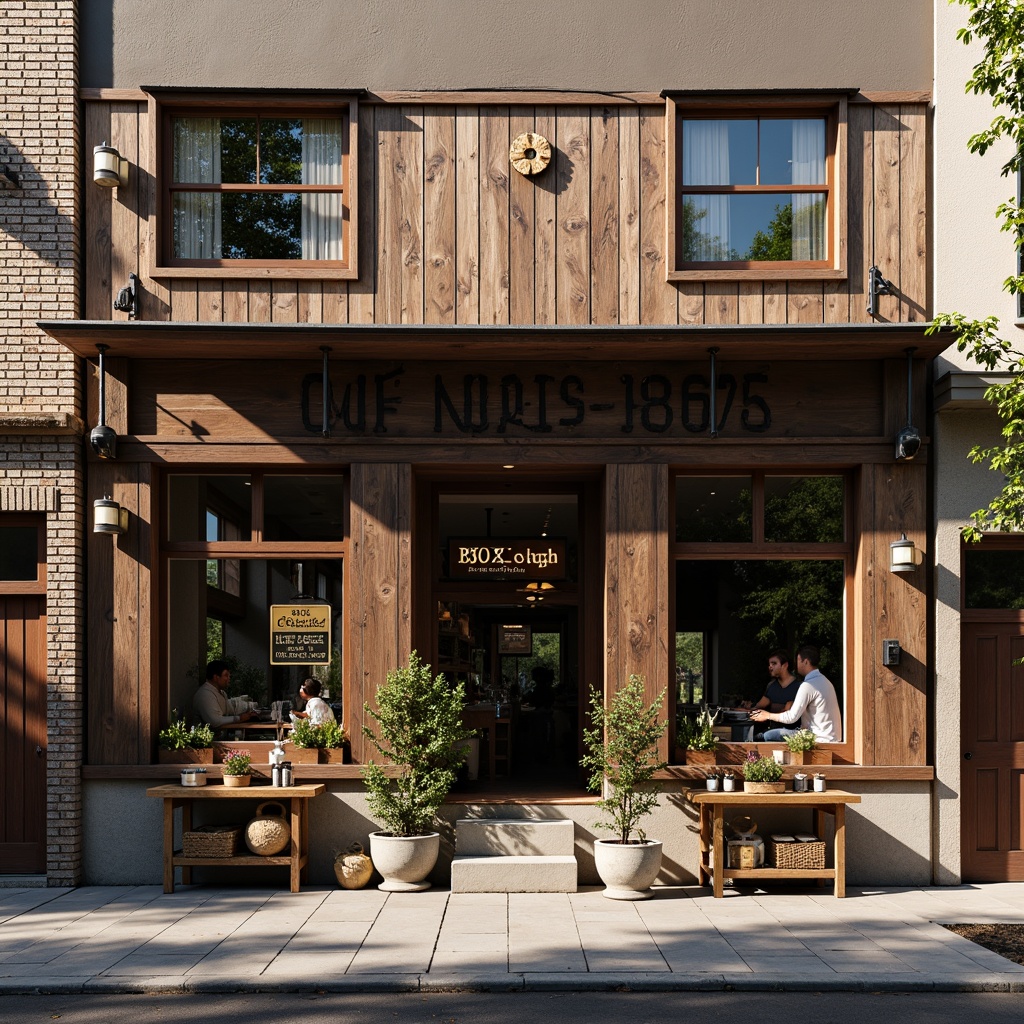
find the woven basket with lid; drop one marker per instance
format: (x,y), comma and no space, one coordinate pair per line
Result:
(268,833)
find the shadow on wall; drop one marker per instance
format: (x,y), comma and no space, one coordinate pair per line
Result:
(44,230)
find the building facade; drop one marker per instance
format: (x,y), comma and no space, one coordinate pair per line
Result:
(556,353)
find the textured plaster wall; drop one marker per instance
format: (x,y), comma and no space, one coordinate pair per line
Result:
(888,834)
(647,45)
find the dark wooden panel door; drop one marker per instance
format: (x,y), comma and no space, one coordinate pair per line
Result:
(992,749)
(23,729)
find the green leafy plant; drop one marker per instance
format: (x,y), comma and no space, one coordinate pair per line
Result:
(237,762)
(307,735)
(699,733)
(622,753)
(761,769)
(802,741)
(179,735)
(418,722)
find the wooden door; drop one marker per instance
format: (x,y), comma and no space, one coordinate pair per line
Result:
(992,751)
(23,730)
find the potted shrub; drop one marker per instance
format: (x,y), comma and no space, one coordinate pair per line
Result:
(622,757)
(698,737)
(237,767)
(303,744)
(331,743)
(181,743)
(803,749)
(417,726)
(762,775)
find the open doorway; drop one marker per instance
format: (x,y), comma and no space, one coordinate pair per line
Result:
(507,610)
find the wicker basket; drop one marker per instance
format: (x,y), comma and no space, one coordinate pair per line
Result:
(210,841)
(796,855)
(268,833)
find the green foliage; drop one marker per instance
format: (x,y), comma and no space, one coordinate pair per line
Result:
(998,27)
(777,242)
(761,769)
(698,733)
(802,741)
(698,245)
(245,678)
(307,735)
(237,762)
(622,751)
(179,735)
(419,727)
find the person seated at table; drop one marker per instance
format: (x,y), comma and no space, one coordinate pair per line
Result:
(778,694)
(211,703)
(317,710)
(815,706)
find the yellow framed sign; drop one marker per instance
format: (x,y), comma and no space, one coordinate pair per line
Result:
(300,634)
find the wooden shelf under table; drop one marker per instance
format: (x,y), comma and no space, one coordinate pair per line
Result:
(295,798)
(712,834)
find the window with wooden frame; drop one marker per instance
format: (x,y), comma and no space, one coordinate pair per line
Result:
(763,560)
(758,188)
(251,183)
(22,554)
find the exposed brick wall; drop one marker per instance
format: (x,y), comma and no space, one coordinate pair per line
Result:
(39,256)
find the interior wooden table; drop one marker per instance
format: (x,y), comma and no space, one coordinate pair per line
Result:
(712,834)
(295,798)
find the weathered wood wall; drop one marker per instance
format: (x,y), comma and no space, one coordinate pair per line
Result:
(450,234)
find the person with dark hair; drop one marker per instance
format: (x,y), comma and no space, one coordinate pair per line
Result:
(815,706)
(211,702)
(317,709)
(778,694)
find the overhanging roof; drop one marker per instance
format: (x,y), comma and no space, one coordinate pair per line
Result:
(148,339)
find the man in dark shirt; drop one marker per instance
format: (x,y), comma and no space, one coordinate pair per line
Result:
(781,688)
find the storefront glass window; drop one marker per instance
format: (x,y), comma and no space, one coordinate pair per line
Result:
(19,553)
(209,508)
(714,509)
(993,579)
(303,508)
(803,509)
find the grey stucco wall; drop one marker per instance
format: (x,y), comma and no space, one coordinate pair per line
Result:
(599,45)
(888,834)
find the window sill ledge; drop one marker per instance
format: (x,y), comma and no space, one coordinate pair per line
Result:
(782,274)
(304,273)
(835,772)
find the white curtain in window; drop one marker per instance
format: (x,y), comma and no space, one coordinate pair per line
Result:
(808,169)
(706,162)
(197,215)
(321,165)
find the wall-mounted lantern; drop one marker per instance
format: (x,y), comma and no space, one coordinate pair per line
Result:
(904,555)
(109,517)
(109,168)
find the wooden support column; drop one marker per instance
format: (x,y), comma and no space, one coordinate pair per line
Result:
(378,573)
(637,577)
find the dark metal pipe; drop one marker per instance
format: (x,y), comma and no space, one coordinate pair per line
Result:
(713,405)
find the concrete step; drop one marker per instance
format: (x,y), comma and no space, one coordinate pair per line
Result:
(521,837)
(510,873)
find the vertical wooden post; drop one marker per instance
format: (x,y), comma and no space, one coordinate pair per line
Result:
(378,572)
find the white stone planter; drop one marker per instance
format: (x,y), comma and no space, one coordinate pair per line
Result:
(404,861)
(627,869)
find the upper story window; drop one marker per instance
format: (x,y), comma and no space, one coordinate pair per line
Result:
(757,191)
(258,187)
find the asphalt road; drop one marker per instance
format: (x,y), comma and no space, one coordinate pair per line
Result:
(476,1008)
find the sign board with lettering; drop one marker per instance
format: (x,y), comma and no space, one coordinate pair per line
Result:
(515,640)
(300,634)
(506,558)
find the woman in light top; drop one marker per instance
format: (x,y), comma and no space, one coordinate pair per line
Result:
(317,710)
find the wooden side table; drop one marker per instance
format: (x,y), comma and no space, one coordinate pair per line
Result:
(712,807)
(295,798)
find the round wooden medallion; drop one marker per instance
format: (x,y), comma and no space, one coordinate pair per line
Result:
(530,153)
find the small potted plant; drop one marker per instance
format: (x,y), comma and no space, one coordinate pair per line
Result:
(237,768)
(304,743)
(713,782)
(803,749)
(698,737)
(181,743)
(762,775)
(729,781)
(418,722)
(622,756)
(332,742)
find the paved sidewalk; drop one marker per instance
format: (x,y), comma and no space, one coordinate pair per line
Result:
(131,939)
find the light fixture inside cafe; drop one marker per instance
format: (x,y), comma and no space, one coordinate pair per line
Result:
(109,168)
(904,555)
(109,517)
(535,591)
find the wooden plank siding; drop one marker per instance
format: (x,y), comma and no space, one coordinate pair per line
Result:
(450,233)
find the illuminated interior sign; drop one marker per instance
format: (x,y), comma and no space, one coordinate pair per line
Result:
(300,634)
(506,558)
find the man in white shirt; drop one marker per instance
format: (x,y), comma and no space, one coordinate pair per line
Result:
(212,704)
(815,705)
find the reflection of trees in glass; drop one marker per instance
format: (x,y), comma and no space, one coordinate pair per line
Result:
(699,247)
(994,579)
(811,511)
(689,667)
(787,603)
(731,523)
(261,225)
(776,242)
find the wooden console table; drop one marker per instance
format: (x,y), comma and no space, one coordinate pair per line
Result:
(712,828)
(295,798)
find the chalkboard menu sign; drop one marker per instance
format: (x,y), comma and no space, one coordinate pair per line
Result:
(515,640)
(300,634)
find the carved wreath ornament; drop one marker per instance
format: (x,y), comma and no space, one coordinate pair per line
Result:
(530,153)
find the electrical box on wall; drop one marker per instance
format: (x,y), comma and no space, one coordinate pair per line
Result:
(890,652)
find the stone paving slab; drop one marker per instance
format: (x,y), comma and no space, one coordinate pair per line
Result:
(138,939)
